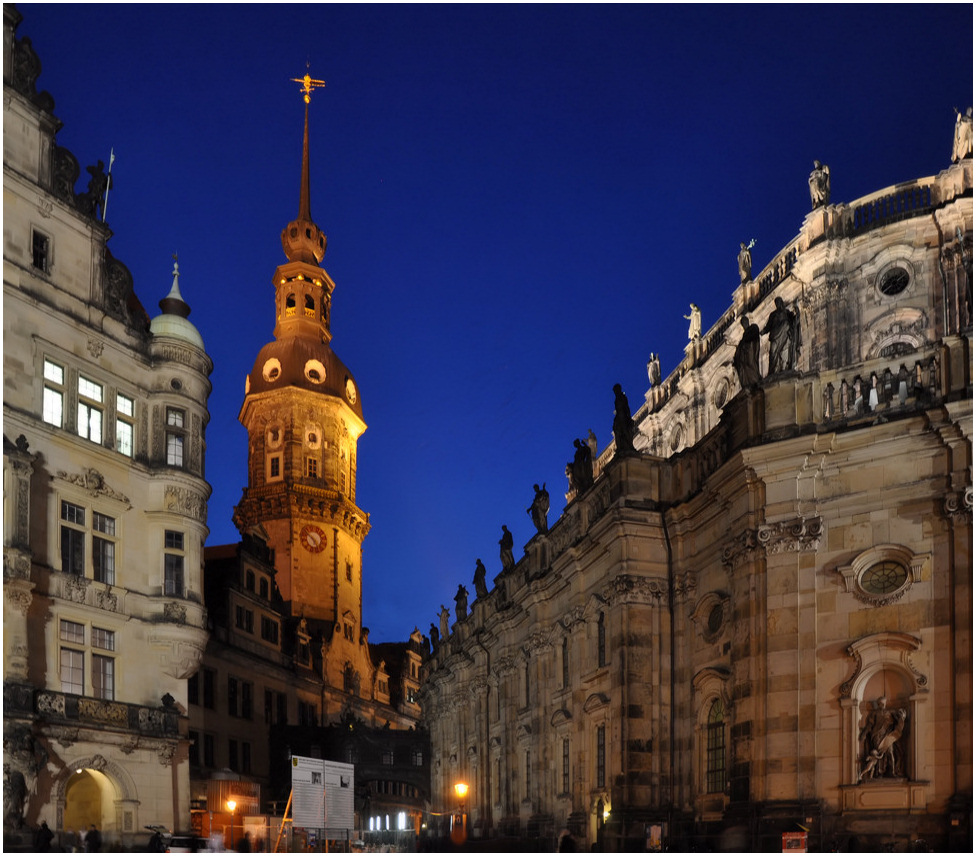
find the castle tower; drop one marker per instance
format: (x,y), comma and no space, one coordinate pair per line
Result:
(304,416)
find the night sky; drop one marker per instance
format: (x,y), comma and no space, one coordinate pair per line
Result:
(520,203)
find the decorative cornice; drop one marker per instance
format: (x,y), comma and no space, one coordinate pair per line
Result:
(186,502)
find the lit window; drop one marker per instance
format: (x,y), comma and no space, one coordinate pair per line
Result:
(53,403)
(40,251)
(103,549)
(173,584)
(72,539)
(89,414)
(175,436)
(124,432)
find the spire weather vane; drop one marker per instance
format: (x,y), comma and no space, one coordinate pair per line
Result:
(308,84)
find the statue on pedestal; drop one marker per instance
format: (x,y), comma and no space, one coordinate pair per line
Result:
(819,182)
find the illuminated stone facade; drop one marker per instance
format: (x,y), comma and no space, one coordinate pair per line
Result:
(104,515)
(698,647)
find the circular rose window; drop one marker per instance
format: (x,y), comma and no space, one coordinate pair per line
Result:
(894,281)
(883,578)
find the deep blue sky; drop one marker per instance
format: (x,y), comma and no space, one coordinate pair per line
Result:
(520,203)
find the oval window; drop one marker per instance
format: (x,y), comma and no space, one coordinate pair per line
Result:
(271,370)
(894,281)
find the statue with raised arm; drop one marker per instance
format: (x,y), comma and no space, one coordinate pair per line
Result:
(623,422)
(746,358)
(694,323)
(962,139)
(480,587)
(745,261)
(507,546)
(783,328)
(539,509)
(819,185)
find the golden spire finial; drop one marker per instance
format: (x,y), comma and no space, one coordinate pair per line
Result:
(308,84)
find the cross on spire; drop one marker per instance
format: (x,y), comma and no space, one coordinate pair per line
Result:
(308,84)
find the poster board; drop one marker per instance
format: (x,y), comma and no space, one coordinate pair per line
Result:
(322,793)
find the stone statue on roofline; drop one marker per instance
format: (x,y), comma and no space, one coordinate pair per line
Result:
(461,603)
(506,550)
(745,261)
(654,370)
(623,422)
(539,509)
(480,587)
(819,185)
(962,139)
(445,619)
(580,469)
(783,327)
(746,358)
(694,323)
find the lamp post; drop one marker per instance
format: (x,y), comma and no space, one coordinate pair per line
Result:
(459,829)
(231,805)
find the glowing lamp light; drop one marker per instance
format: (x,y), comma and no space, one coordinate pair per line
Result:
(461,789)
(606,813)
(231,805)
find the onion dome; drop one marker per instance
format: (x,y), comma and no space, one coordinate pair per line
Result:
(173,323)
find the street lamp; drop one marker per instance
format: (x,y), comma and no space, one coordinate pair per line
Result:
(459,831)
(231,805)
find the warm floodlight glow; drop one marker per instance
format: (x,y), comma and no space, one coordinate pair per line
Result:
(461,789)
(231,805)
(606,813)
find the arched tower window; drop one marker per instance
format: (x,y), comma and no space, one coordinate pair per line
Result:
(309,306)
(290,305)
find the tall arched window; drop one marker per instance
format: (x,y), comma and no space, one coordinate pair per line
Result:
(715,748)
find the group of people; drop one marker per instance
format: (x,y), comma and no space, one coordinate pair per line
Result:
(89,841)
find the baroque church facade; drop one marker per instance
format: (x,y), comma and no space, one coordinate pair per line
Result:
(104,512)
(753,617)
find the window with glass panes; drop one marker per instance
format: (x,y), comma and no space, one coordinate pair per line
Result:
(52,405)
(124,430)
(715,748)
(89,409)
(72,659)
(72,539)
(103,548)
(175,436)
(173,581)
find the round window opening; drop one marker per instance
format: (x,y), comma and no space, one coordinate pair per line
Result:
(315,371)
(271,369)
(894,281)
(883,578)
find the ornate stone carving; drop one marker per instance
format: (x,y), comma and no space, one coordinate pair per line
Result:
(16,566)
(175,612)
(93,482)
(19,597)
(103,711)
(118,287)
(65,173)
(958,507)
(151,720)
(74,588)
(50,704)
(791,536)
(95,347)
(186,502)
(741,549)
(630,589)
(106,600)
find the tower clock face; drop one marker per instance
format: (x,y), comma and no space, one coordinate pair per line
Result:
(313,539)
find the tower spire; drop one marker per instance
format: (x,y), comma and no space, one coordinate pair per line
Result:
(304,201)
(302,240)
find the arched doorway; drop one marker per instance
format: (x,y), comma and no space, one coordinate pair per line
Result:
(89,798)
